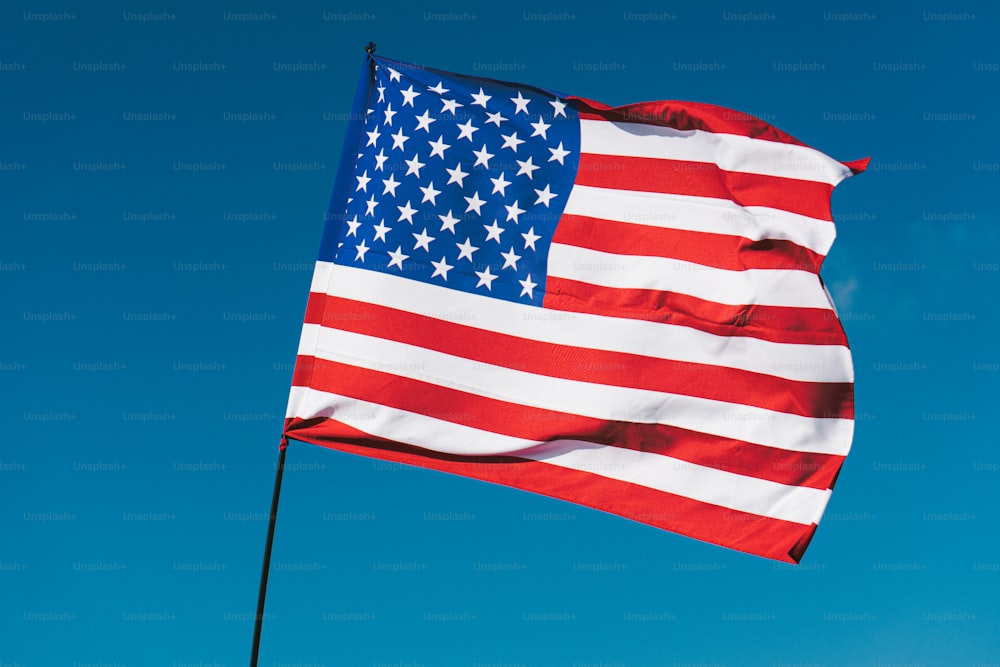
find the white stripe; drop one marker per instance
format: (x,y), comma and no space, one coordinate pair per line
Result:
(609,403)
(737,492)
(701,214)
(810,363)
(323,277)
(765,287)
(731,152)
(709,485)
(307,341)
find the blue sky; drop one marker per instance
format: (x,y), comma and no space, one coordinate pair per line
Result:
(164,174)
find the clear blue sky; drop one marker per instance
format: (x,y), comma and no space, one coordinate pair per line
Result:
(164,174)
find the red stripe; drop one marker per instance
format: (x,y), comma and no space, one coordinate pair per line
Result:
(722,251)
(816,471)
(720,383)
(705,179)
(750,533)
(685,116)
(778,324)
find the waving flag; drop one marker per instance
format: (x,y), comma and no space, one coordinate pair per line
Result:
(617,307)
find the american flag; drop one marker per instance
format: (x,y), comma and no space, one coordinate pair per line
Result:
(617,307)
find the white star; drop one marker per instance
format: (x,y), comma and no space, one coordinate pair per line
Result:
(380,159)
(399,139)
(495,118)
(398,257)
(511,141)
(409,95)
(510,259)
(389,113)
(439,147)
(456,175)
(381,95)
(362,249)
(466,249)
(424,121)
(483,157)
(390,185)
(430,194)
(439,89)
(486,278)
(475,203)
(558,153)
(450,105)
(353,224)
(521,103)
(373,137)
(529,287)
(406,213)
(448,222)
(560,108)
(393,74)
(371,203)
(530,238)
(423,240)
(500,185)
(544,196)
(441,268)
(526,167)
(381,230)
(493,231)
(363,181)
(465,130)
(481,99)
(540,128)
(414,166)
(513,212)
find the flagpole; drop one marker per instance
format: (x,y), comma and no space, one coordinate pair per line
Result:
(267,553)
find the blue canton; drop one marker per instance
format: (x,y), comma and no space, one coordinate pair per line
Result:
(460,182)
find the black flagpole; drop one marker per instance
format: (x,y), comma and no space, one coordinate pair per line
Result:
(267,554)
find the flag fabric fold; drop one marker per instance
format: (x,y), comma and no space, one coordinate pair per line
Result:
(618,307)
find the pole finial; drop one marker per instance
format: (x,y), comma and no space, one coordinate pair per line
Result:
(370,48)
